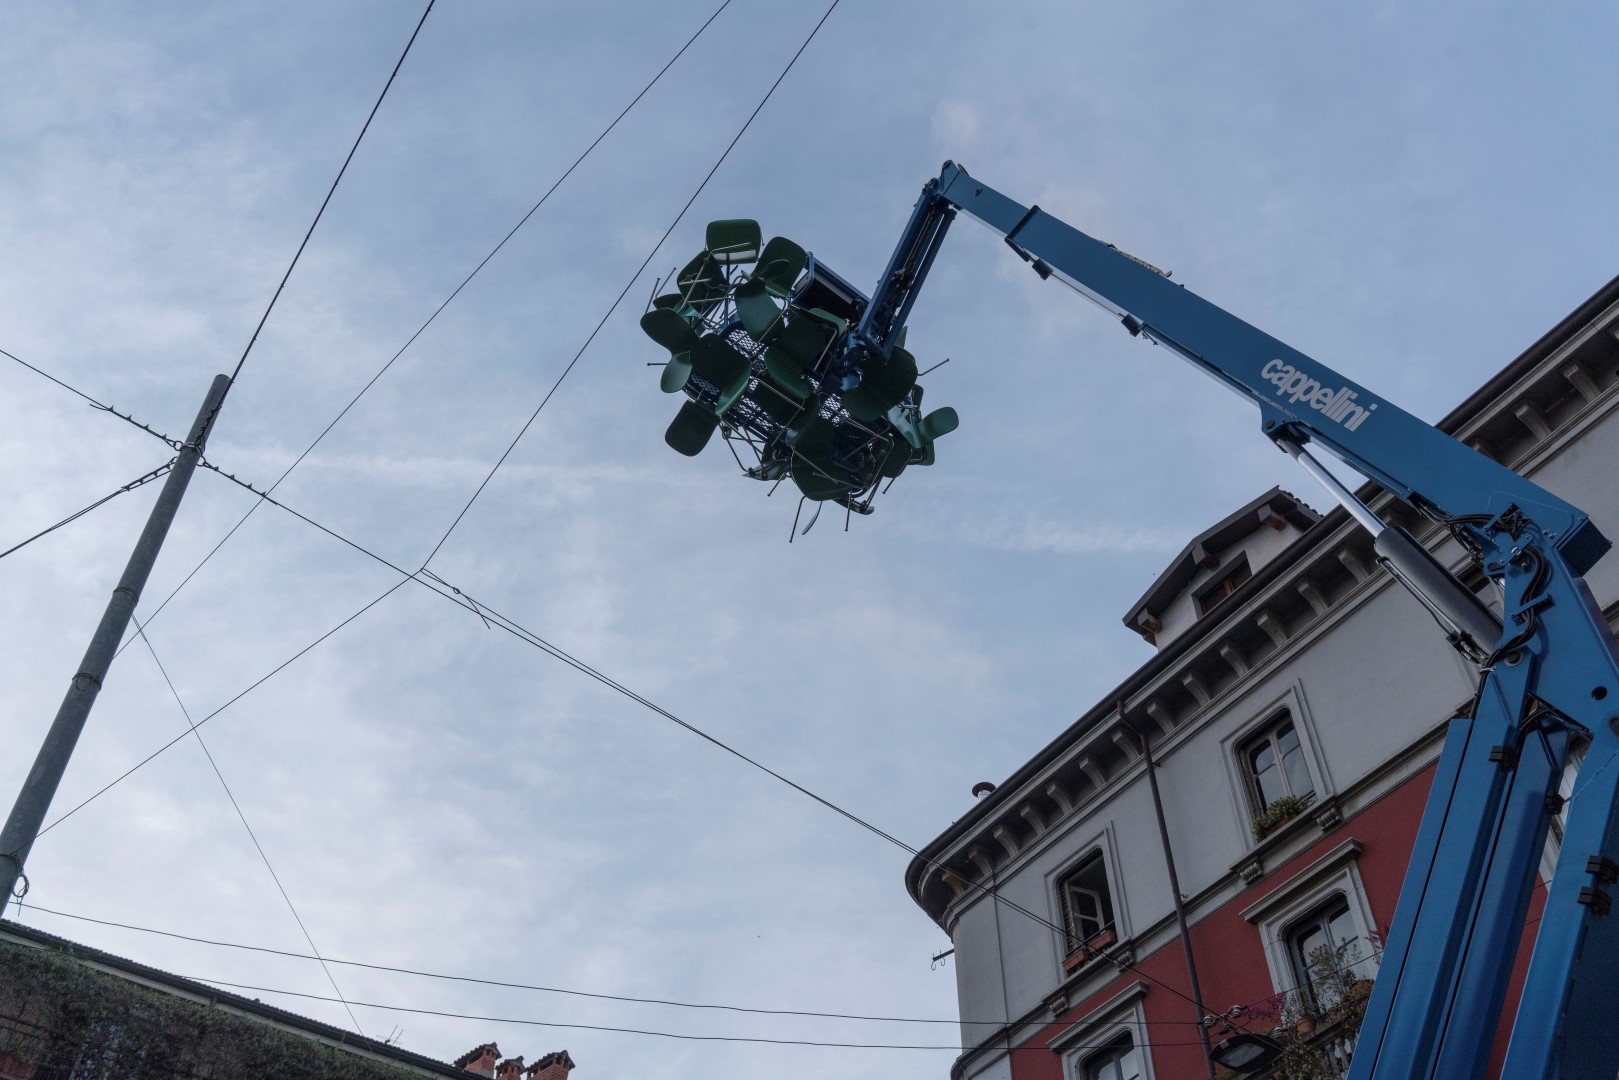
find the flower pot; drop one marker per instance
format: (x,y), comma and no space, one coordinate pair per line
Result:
(1075,960)
(1099,941)
(1305,1027)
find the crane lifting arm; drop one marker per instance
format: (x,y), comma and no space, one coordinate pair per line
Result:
(1549,672)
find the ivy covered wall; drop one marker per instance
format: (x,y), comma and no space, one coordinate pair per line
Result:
(63,1020)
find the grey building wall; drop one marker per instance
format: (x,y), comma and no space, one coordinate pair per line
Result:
(1319,632)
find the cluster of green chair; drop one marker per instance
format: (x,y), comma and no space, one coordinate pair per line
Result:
(784,383)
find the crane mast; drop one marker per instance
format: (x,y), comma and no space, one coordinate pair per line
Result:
(1548,669)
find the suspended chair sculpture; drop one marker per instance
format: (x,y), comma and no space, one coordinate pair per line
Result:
(762,342)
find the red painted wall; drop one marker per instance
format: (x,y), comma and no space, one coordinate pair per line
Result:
(1231,961)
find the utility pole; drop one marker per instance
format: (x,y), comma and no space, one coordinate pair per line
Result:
(37,791)
(1180,905)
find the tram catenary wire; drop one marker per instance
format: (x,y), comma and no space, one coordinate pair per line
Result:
(383,370)
(251,835)
(511,985)
(660,1034)
(488,614)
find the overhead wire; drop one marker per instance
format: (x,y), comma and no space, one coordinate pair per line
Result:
(486,613)
(255,685)
(383,370)
(161,470)
(630,284)
(535,640)
(643,1031)
(251,835)
(65,386)
(329,193)
(506,984)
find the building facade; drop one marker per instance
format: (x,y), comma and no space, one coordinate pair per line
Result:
(1293,713)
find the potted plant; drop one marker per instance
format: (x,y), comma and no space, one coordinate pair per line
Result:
(1279,810)
(1089,949)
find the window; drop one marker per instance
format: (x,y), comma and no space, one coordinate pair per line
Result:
(1223,586)
(1326,953)
(1275,765)
(1117,1061)
(1087,906)
(1565,788)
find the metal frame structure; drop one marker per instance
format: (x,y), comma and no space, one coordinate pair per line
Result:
(1548,670)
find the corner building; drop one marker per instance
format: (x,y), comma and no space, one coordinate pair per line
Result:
(1294,710)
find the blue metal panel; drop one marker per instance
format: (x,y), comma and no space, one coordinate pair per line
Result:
(1400,451)
(1565,1021)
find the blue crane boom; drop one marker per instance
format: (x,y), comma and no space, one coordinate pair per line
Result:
(1548,669)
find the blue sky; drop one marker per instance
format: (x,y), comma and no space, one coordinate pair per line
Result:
(1410,196)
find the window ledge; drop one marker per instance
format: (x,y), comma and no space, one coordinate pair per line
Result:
(1324,815)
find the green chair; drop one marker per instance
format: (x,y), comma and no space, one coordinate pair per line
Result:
(939,422)
(786,374)
(815,483)
(812,436)
(691,428)
(717,361)
(761,315)
(669,329)
(803,339)
(780,407)
(702,282)
(894,462)
(883,385)
(826,318)
(780,263)
(734,241)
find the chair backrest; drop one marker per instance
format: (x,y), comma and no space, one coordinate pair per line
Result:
(940,422)
(716,360)
(691,428)
(734,240)
(667,328)
(780,263)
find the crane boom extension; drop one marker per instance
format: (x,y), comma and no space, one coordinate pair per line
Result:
(1548,674)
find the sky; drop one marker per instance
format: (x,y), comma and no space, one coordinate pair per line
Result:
(1410,195)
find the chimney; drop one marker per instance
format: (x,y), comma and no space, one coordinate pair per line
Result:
(480,1060)
(553,1066)
(510,1069)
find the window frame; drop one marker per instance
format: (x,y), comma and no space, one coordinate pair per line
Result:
(1088,1066)
(1082,850)
(1269,732)
(1565,787)
(1093,861)
(1227,579)
(1277,913)
(1322,917)
(1292,701)
(1119,1016)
